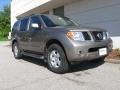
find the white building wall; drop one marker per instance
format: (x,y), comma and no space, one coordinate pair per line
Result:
(19,7)
(97,13)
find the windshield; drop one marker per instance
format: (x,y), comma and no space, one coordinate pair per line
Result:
(52,21)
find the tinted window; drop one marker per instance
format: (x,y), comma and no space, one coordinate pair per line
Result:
(23,25)
(52,21)
(47,21)
(16,26)
(35,20)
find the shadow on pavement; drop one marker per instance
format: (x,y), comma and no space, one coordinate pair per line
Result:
(73,68)
(85,65)
(34,61)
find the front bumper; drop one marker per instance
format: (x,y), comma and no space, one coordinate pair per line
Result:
(88,50)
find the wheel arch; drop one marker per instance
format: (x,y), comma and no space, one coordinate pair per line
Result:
(54,41)
(13,41)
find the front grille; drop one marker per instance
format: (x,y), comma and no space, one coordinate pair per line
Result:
(86,36)
(99,35)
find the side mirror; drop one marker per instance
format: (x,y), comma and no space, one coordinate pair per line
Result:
(35,26)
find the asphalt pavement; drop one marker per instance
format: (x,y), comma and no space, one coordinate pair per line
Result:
(32,74)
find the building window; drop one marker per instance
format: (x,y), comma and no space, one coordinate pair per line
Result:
(59,11)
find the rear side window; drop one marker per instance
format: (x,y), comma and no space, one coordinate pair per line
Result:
(24,24)
(16,26)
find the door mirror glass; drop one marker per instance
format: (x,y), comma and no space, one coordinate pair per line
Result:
(35,23)
(35,26)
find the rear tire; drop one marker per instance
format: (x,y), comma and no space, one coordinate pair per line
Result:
(16,51)
(56,59)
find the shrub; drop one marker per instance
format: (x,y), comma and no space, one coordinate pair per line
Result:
(5,22)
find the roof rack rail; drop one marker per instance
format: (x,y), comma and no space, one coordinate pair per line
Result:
(25,16)
(31,14)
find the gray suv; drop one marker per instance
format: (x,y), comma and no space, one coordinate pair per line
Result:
(59,41)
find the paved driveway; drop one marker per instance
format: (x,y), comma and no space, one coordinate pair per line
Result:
(32,74)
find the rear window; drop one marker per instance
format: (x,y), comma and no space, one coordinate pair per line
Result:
(16,26)
(24,24)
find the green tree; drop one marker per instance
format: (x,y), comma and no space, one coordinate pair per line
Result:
(5,22)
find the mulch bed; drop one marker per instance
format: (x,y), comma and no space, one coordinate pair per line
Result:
(115,54)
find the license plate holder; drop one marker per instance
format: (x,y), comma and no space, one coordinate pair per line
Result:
(102,51)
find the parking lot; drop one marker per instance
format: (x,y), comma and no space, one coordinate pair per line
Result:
(32,74)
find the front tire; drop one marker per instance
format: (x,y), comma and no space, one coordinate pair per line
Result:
(56,58)
(16,51)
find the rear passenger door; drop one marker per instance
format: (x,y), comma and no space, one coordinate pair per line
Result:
(22,34)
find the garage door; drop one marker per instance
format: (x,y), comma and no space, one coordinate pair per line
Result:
(97,13)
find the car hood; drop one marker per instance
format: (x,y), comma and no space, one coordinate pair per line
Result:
(76,28)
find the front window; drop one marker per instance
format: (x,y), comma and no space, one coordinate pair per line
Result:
(52,21)
(36,20)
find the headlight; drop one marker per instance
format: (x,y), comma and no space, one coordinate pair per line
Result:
(76,36)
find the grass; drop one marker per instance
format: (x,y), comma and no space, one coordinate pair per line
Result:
(3,39)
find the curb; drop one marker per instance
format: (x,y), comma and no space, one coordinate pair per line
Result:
(114,61)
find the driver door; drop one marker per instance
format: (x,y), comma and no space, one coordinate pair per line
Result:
(36,34)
